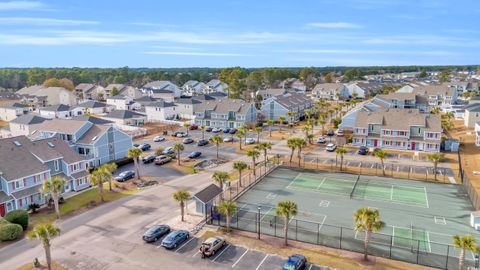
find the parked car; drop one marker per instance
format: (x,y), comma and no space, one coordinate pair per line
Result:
(216,130)
(124,176)
(145,147)
(174,134)
(155,232)
(181,134)
(210,246)
(233,131)
(187,141)
(363,150)
(160,160)
(331,147)
(193,127)
(226,130)
(148,159)
(322,140)
(228,139)
(295,262)
(168,151)
(136,145)
(330,132)
(208,129)
(340,132)
(175,238)
(195,154)
(159,139)
(202,142)
(249,141)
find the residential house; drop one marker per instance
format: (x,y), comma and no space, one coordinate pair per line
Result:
(186,107)
(438,95)
(58,111)
(120,102)
(53,95)
(270,92)
(160,111)
(401,129)
(95,107)
(191,88)
(215,85)
(27,164)
(231,113)
(99,144)
(277,106)
(358,90)
(330,91)
(165,90)
(471,115)
(24,125)
(8,112)
(294,84)
(477,133)
(89,91)
(124,117)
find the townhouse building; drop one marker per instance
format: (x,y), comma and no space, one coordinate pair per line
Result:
(215,86)
(471,115)
(192,87)
(276,106)
(330,91)
(438,95)
(27,164)
(160,111)
(162,89)
(225,113)
(401,129)
(8,112)
(51,95)
(89,91)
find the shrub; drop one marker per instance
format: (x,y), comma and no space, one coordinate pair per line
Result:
(19,217)
(33,207)
(9,232)
(3,221)
(158,151)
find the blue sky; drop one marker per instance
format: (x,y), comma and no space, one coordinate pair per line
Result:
(248,33)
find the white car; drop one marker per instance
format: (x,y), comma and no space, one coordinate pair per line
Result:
(158,139)
(216,130)
(249,141)
(322,140)
(228,139)
(181,134)
(331,147)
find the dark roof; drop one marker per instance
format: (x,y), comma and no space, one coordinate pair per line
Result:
(203,97)
(4,197)
(57,108)
(54,148)
(146,99)
(207,194)
(92,104)
(187,101)
(27,192)
(123,114)
(92,119)
(473,108)
(161,104)
(161,91)
(79,174)
(28,119)
(217,94)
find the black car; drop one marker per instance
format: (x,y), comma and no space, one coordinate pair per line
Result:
(145,147)
(195,154)
(202,142)
(136,145)
(124,176)
(187,141)
(209,129)
(330,132)
(148,159)
(233,131)
(363,151)
(155,233)
(226,130)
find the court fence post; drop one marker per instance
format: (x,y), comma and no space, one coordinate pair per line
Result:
(418,249)
(448,254)
(391,245)
(318,234)
(296,229)
(409,170)
(316,161)
(341,235)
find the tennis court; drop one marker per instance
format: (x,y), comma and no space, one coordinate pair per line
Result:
(420,217)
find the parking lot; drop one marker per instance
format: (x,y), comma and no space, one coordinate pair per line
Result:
(229,257)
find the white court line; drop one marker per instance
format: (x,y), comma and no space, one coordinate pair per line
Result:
(294,179)
(325,161)
(391,193)
(428,242)
(184,244)
(220,254)
(264,215)
(321,183)
(233,265)
(258,267)
(426,197)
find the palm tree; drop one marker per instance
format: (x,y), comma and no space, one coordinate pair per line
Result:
(264,146)
(45,233)
(178,148)
(220,178)
(306,129)
(54,188)
(435,158)
(292,144)
(270,124)
(286,209)
(181,197)
(341,151)
(186,125)
(228,208)
(258,130)
(465,243)
(254,154)
(367,220)
(447,124)
(322,122)
(240,135)
(381,155)
(281,120)
(202,128)
(217,140)
(290,115)
(240,166)
(109,169)
(310,138)
(301,143)
(135,153)
(98,177)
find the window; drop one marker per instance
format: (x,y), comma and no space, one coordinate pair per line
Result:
(56,165)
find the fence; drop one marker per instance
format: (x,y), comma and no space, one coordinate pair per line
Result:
(471,191)
(392,247)
(395,170)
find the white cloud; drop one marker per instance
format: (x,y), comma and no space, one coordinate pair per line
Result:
(370,52)
(42,21)
(21,5)
(335,25)
(422,40)
(179,53)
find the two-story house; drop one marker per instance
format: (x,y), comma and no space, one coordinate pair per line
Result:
(225,113)
(192,87)
(330,91)
(89,91)
(120,102)
(24,125)
(471,115)
(401,129)
(12,111)
(438,95)
(162,89)
(99,144)
(27,164)
(161,111)
(277,106)
(215,86)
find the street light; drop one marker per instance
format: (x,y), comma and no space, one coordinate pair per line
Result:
(476,261)
(258,220)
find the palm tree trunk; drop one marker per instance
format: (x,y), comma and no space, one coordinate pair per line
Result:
(286,231)
(270,131)
(100,190)
(341,162)
(137,169)
(461,259)
(253,160)
(365,249)
(383,167)
(55,203)
(228,222)
(240,178)
(217,149)
(258,137)
(299,156)
(178,158)
(48,256)
(265,155)
(291,155)
(110,184)
(203,134)
(182,206)
(240,142)
(435,170)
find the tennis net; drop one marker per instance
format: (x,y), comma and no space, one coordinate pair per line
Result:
(354,186)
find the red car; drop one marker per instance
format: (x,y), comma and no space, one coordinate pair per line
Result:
(193,127)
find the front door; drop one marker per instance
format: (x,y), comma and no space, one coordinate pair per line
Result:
(413,146)
(375,143)
(2,209)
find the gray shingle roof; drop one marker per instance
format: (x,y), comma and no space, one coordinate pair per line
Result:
(94,132)
(473,108)
(92,119)
(92,104)
(123,114)
(187,101)
(28,119)
(4,197)
(207,194)
(27,191)
(53,148)
(56,108)
(161,104)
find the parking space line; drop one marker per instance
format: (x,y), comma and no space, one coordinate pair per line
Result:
(196,253)
(258,267)
(310,266)
(233,265)
(184,244)
(220,254)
